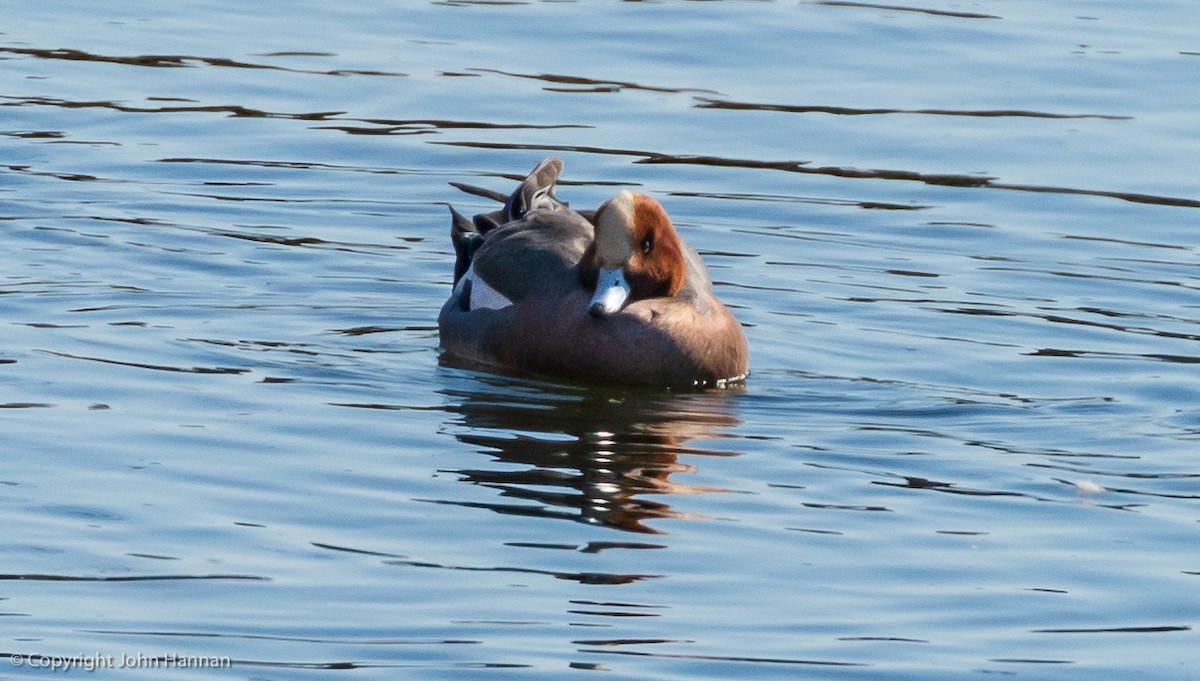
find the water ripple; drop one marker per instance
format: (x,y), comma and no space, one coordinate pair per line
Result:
(591,84)
(969,434)
(581,577)
(130,578)
(805,167)
(903,8)
(707,103)
(174,61)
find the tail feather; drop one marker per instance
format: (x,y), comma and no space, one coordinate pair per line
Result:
(480,191)
(465,239)
(535,191)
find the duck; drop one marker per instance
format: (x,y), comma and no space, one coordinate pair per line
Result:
(611,295)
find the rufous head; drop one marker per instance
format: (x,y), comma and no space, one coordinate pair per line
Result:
(635,255)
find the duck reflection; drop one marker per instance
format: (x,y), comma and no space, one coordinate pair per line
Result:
(586,455)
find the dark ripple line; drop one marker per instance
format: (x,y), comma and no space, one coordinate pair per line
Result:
(729,658)
(581,577)
(1096,275)
(911,482)
(386,407)
(296,53)
(804,167)
(156,367)
(271,637)
(130,578)
(364,330)
(612,613)
(615,604)
(289,165)
(627,641)
(483,3)
(1121,474)
(430,125)
(1115,630)
(301,241)
(845,507)
(1158,495)
(1127,242)
(772,198)
(70,177)
(590,547)
(235,110)
(331,666)
(174,61)
(915,482)
(361,552)
(1028,660)
(1099,354)
(579,80)
(1061,319)
(708,103)
(900,8)
(1132,197)
(883,639)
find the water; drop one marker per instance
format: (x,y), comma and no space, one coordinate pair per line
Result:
(960,236)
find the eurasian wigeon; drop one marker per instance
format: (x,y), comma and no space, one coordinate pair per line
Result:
(613,296)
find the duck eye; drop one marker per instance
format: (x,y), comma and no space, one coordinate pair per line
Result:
(647,243)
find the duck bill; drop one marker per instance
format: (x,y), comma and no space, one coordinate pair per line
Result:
(611,293)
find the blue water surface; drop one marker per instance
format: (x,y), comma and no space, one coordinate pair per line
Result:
(960,237)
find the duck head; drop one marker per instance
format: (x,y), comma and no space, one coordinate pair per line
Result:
(636,254)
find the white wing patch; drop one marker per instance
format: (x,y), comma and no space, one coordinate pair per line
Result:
(483,296)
